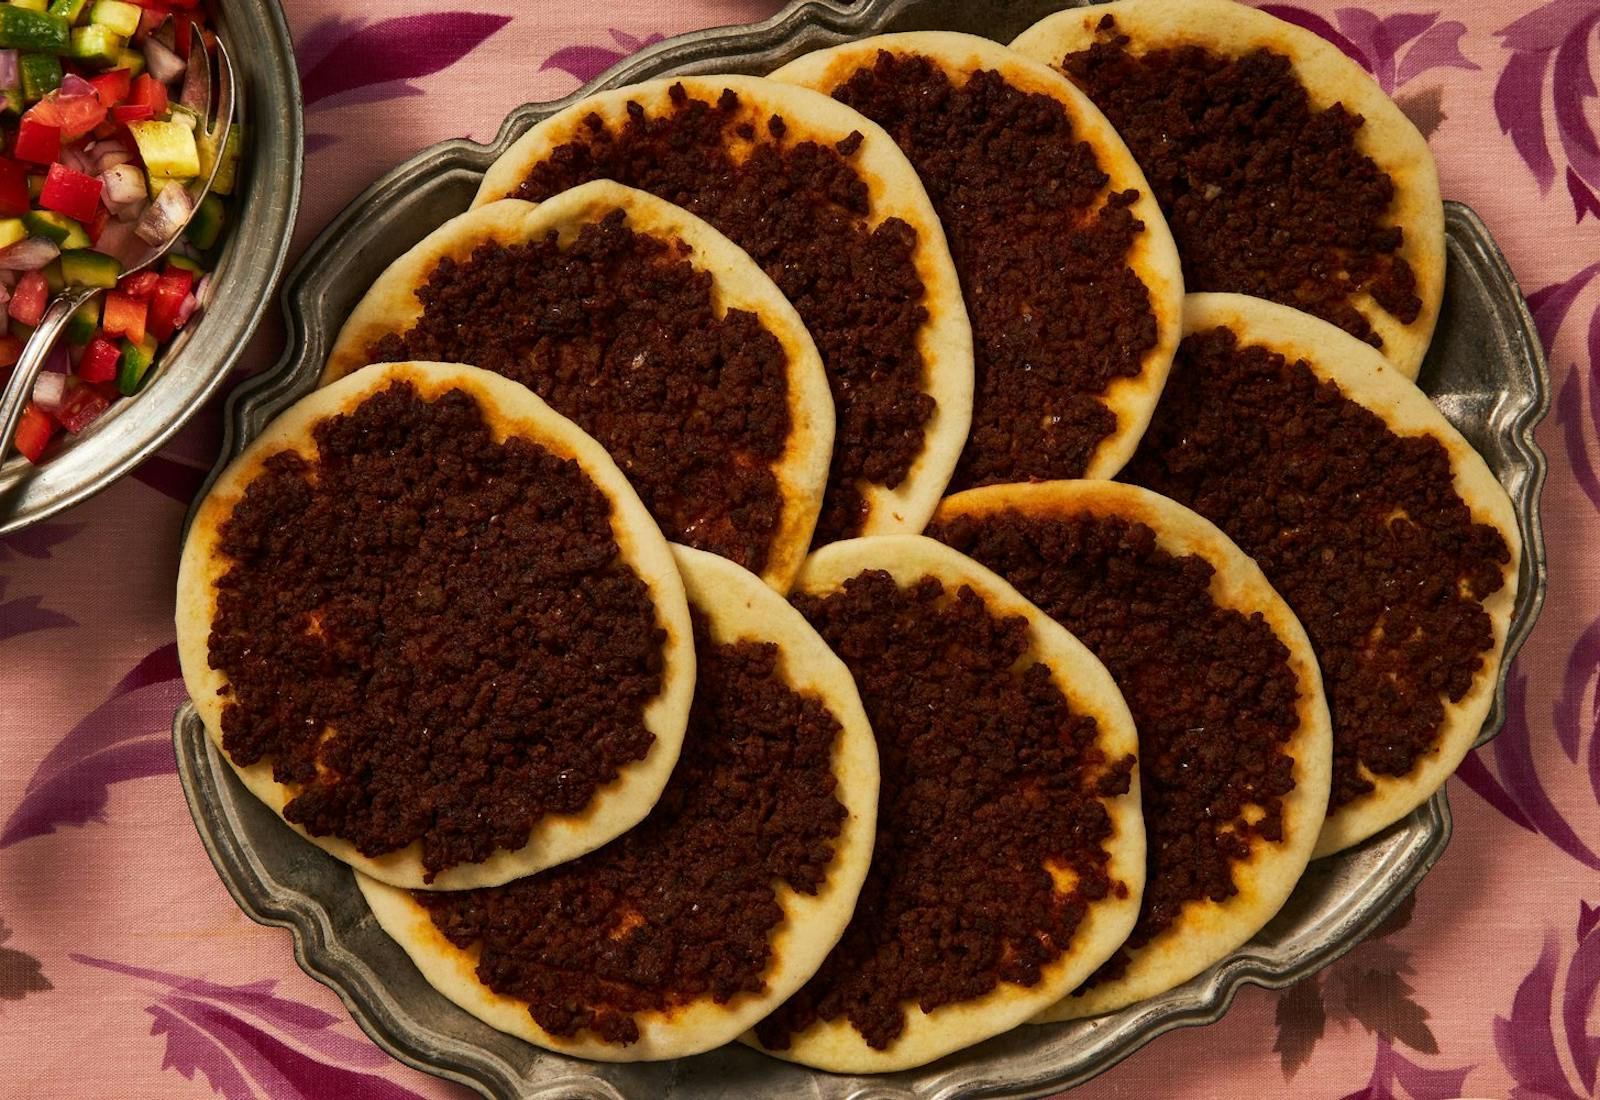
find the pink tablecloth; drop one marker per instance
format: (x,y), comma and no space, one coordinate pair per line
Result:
(126,971)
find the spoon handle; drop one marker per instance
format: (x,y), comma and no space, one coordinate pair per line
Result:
(34,353)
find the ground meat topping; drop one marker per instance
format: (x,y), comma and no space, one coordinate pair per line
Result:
(430,635)
(804,213)
(683,906)
(1042,250)
(617,331)
(1265,194)
(989,780)
(1360,529)
(1210,688)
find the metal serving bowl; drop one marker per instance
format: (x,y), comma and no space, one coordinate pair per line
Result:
(1486,371)
(256,243)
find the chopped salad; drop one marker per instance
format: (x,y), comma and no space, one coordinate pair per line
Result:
(103,131)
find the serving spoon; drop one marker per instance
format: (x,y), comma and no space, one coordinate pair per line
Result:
(217,88)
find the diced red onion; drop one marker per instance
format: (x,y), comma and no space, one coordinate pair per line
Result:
(57,362)
(124,184)
(164,65)
(74,86)
(29,255)
(5,293)
(167,215)
(186,309)
(48,390)
(109,153)
(117,240)
(9,77)
(202,289)
(8,279)
(76,159)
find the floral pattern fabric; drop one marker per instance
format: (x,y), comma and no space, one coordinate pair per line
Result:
(126,970)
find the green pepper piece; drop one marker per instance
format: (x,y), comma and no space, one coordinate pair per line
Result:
(135,364)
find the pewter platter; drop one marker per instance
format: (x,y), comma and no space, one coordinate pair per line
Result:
(1485,370)
(198,361)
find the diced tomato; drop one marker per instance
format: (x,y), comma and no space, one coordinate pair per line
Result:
(140,286)
(80,115)
(150,92)
(124,316)
(10,349)
(99,362)
(102,218)
(167,301)
(29,297)
(71,193)
(82,406)
(150,19)
(14,198)
(112,87)
(34,431)
(132,112)
(37,141)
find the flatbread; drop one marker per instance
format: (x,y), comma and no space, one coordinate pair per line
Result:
(392,306)
(1204,931)
(944,339)
(1231,29)
(835,1045)
(510,410)
(1368,380)
(1153,258)
(738,607)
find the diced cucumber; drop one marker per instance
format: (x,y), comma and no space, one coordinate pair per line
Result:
(11,102)
(81,267)
(22,28)
(206,224)
(183,116)
(41,73)
(11,231)
(120,16)
(96,44)
(135,364)
(35,186)
(57,227)
(30,5)
(167,148)
(53,278)
(132,60)
(69,10)
(84,322)
(178,260)
(227,176)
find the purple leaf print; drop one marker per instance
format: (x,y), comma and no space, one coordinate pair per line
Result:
(1514,787)
(1550,63)
(587,62)
(24,615)
(347,61)
(178,480)
(1550,307)
(1391,1068)
(1395,49)
(37,541)
(20,972)
(123,738)
(253,1044)
(1528,1039)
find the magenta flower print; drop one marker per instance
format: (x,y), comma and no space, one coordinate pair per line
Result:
(1394,49)
(588,62)
(1546,90)
(344,61)
(252,1043)
(124,738)
(1549,1027)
